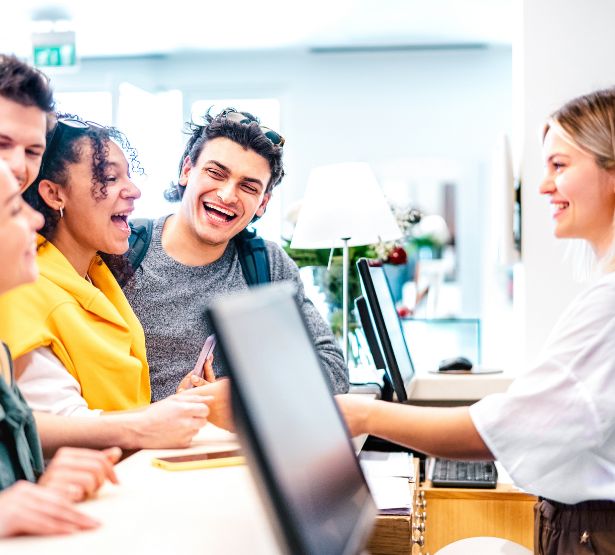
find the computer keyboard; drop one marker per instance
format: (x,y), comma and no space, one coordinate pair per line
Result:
(464,474)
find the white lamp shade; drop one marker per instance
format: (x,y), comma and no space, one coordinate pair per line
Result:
(343,201)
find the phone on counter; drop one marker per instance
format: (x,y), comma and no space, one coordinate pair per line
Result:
(200,460)
(208,348)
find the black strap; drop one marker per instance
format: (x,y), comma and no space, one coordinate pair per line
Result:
(251,249)
(141,231)
(252,252)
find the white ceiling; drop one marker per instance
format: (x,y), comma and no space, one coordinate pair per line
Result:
(130,28)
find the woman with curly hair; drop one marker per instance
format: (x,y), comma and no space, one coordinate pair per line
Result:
(78,347)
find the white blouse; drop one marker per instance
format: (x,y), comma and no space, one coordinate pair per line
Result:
(554,429)
(48,387)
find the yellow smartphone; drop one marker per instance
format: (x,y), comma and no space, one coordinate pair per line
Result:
(200,460)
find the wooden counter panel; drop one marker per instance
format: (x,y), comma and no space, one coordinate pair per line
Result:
(392,535)
(454,514)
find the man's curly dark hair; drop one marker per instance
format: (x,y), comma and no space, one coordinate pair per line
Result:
(248,134)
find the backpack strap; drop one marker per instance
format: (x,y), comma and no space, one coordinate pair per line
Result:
(253,257)
(141,231)
(251,249)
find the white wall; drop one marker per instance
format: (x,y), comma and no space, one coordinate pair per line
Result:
(374,107)
(566,50)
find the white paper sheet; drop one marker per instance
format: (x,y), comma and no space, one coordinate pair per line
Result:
(377,463)
(387,475)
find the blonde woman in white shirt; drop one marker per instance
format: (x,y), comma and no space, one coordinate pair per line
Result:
(554,429)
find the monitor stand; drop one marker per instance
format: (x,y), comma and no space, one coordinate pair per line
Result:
(387,388)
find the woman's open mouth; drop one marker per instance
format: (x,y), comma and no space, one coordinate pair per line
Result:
(121,221)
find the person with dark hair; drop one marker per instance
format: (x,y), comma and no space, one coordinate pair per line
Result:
(78,347)
(228,171)
(554,429)
(26,507)
(26,103)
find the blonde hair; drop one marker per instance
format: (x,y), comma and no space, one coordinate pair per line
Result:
(588,123)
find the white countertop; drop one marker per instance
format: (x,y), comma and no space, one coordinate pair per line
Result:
(156,511)
(458,387)
(427,386)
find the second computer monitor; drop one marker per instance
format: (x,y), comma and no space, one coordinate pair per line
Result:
(376,291)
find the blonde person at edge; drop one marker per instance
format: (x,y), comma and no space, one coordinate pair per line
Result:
(79,349)
(554,429)
(26,507)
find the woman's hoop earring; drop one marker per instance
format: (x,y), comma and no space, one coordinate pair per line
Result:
(61,212)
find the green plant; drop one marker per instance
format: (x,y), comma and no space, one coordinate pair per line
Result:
(330,281)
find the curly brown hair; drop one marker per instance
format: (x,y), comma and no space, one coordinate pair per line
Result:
(70,150)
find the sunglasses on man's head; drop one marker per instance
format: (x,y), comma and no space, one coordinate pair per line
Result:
(239,117)
(65,128)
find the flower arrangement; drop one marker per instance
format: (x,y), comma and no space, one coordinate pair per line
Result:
(391,252)
(394,252)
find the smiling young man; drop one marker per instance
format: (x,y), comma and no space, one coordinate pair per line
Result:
(228,172)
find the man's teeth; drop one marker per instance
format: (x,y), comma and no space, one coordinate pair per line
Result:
(221,210)
(218,213)
(557,206)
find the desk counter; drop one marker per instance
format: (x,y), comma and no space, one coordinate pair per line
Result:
(156,511)
(441,387)
(458,387)
(215,510)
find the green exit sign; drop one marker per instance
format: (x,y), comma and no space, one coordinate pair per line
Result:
(61,55)
(54,49)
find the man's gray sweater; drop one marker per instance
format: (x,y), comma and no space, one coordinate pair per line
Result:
(170,298)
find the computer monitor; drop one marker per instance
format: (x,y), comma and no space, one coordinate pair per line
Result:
(295,439)
(399,367)
(365,319)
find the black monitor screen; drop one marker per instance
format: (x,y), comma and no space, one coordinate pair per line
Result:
(368,331)
(388,328)
(295,439)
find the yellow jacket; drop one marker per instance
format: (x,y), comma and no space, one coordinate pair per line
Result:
(89,327)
